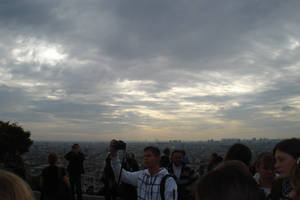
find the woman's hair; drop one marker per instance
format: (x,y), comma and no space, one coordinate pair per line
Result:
(235,164)
(52,158)
(289,146)
(295,178)
(166,151)
(13,187)
(229,181)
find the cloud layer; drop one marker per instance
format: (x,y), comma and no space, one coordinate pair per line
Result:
(144,70)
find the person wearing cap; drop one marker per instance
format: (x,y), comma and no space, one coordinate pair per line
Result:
(287,155)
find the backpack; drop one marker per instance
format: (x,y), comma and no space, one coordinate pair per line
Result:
(163,185)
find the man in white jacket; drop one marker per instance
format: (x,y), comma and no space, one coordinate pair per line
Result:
(147,181)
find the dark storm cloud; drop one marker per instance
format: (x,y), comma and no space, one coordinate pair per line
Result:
(71,110)
(287,108)
(155,63)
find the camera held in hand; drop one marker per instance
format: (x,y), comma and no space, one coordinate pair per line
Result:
(120,145)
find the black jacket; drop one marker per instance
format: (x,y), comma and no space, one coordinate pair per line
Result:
(75,166)
(184,182)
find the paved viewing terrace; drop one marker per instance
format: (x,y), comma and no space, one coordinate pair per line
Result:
(85,196)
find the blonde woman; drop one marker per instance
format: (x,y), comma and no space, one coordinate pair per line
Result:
(13,187)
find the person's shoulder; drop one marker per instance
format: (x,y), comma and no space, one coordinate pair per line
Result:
(166,175)
(62,171)
(48,170)
(143,171)
(81,154)
(170,180)
(186,168)
(68,154)
(45,170)
(276,189)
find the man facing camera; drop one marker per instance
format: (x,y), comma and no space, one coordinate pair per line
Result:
(185,176)
(153,183)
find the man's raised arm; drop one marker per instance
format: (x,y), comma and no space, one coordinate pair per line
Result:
(127,177)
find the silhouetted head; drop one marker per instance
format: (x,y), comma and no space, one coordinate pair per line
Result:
(239,152)
(167,151)
(130,155)
(228,182)
(235,164)
(52,158)
(213,156)
(75,148)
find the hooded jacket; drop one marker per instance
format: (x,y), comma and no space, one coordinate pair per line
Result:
(148,187)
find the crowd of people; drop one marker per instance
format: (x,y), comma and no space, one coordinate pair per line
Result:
(54,182)
(273,176)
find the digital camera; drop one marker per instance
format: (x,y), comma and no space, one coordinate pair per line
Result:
(120,145)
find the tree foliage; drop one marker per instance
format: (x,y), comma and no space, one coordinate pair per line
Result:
(13,138)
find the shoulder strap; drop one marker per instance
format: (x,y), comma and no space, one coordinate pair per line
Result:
(163,185)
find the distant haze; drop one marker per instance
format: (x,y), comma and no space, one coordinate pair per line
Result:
(145,70)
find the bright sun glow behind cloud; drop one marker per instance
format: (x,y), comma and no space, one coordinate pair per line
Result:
(32,50)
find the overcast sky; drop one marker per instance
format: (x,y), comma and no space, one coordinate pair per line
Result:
(151,69)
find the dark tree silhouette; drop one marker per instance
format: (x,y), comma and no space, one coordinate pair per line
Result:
(13,139)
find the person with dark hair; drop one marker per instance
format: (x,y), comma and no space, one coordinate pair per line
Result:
(183,174)
(153,183)
(165,158)
(211,163)
(214,161)
(229,181)
(131,164)
(287,155)
(75,169)
(239,152)
(201,170)
(265,175)
(51,179)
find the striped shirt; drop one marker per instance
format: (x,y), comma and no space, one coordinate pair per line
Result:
(148,187)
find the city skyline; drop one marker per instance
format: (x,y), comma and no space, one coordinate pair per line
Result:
(143,70)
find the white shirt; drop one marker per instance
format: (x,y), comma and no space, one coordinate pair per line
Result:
(177,170)
(148,187)
(257,179)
